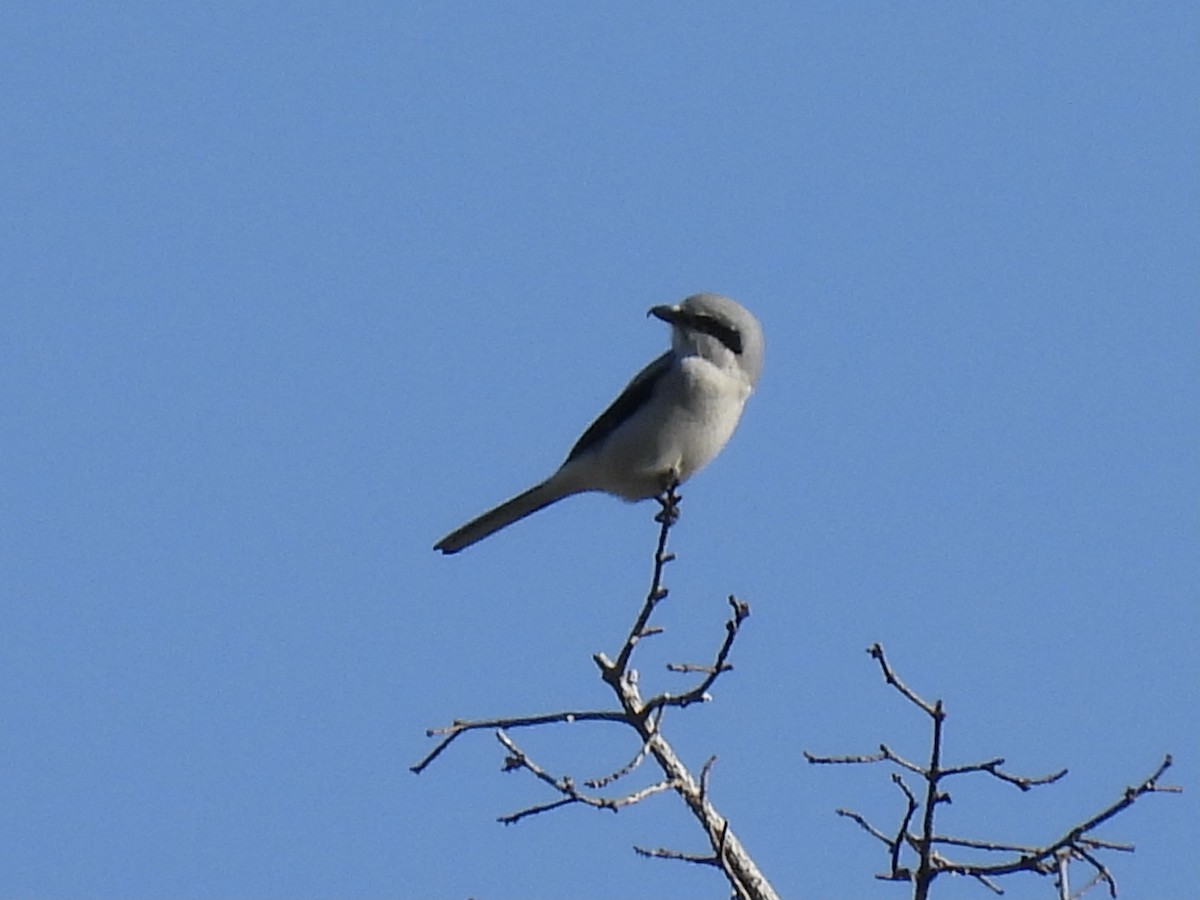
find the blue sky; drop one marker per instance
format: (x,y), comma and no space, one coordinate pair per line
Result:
(291,290)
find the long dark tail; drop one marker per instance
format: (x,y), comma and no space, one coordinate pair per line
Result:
(537,497)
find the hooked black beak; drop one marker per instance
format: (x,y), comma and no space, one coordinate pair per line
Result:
(669,314)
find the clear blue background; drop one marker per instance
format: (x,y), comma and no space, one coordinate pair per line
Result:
(290,290)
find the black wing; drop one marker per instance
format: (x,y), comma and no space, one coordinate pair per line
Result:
(635,395)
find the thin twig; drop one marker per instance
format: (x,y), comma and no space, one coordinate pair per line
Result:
(704,773)
(989,884)
(669,501)
(664,853)
(902,831)
(741,611)
(519,759)
(865,825)
(745,879)
(1052,858)
(991,767)
(1102,873)
(690,668)
(844,760)
(925,869)
(889,754)
(991,846)
(638,757)
(876,652)
(461,726)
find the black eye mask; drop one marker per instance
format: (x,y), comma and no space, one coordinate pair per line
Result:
(727,335)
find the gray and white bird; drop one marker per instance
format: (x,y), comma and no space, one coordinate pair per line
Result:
(669,422)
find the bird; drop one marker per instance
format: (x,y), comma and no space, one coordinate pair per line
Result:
(670,421)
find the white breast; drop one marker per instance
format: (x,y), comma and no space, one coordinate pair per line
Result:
(684,426)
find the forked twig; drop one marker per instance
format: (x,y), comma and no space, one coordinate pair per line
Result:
(645,718)
(1050,859)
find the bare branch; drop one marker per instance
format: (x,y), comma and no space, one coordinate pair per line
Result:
(1102,873)
(741,611)
(889,754)
(865,825)
(633,763)
(462,726)
(1131,793)
(926,871)
(983,845)
(743,874)
(1073,839)
(897,844)
(518,759)
(989,884)
(663,853)
(991,767)
(513,818)
(1097,878)
(885,754)
(1062,875)
(844,760)
(704,773)
(1076,840)
(744,877)
(669,501)
(1050,859)
(688,668)
(1106,845)
(876,652)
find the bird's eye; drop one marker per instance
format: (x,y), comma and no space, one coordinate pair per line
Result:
(726,334)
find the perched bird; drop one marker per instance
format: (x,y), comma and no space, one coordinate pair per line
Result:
(670,421)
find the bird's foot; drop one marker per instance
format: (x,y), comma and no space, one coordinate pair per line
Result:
(669,501)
